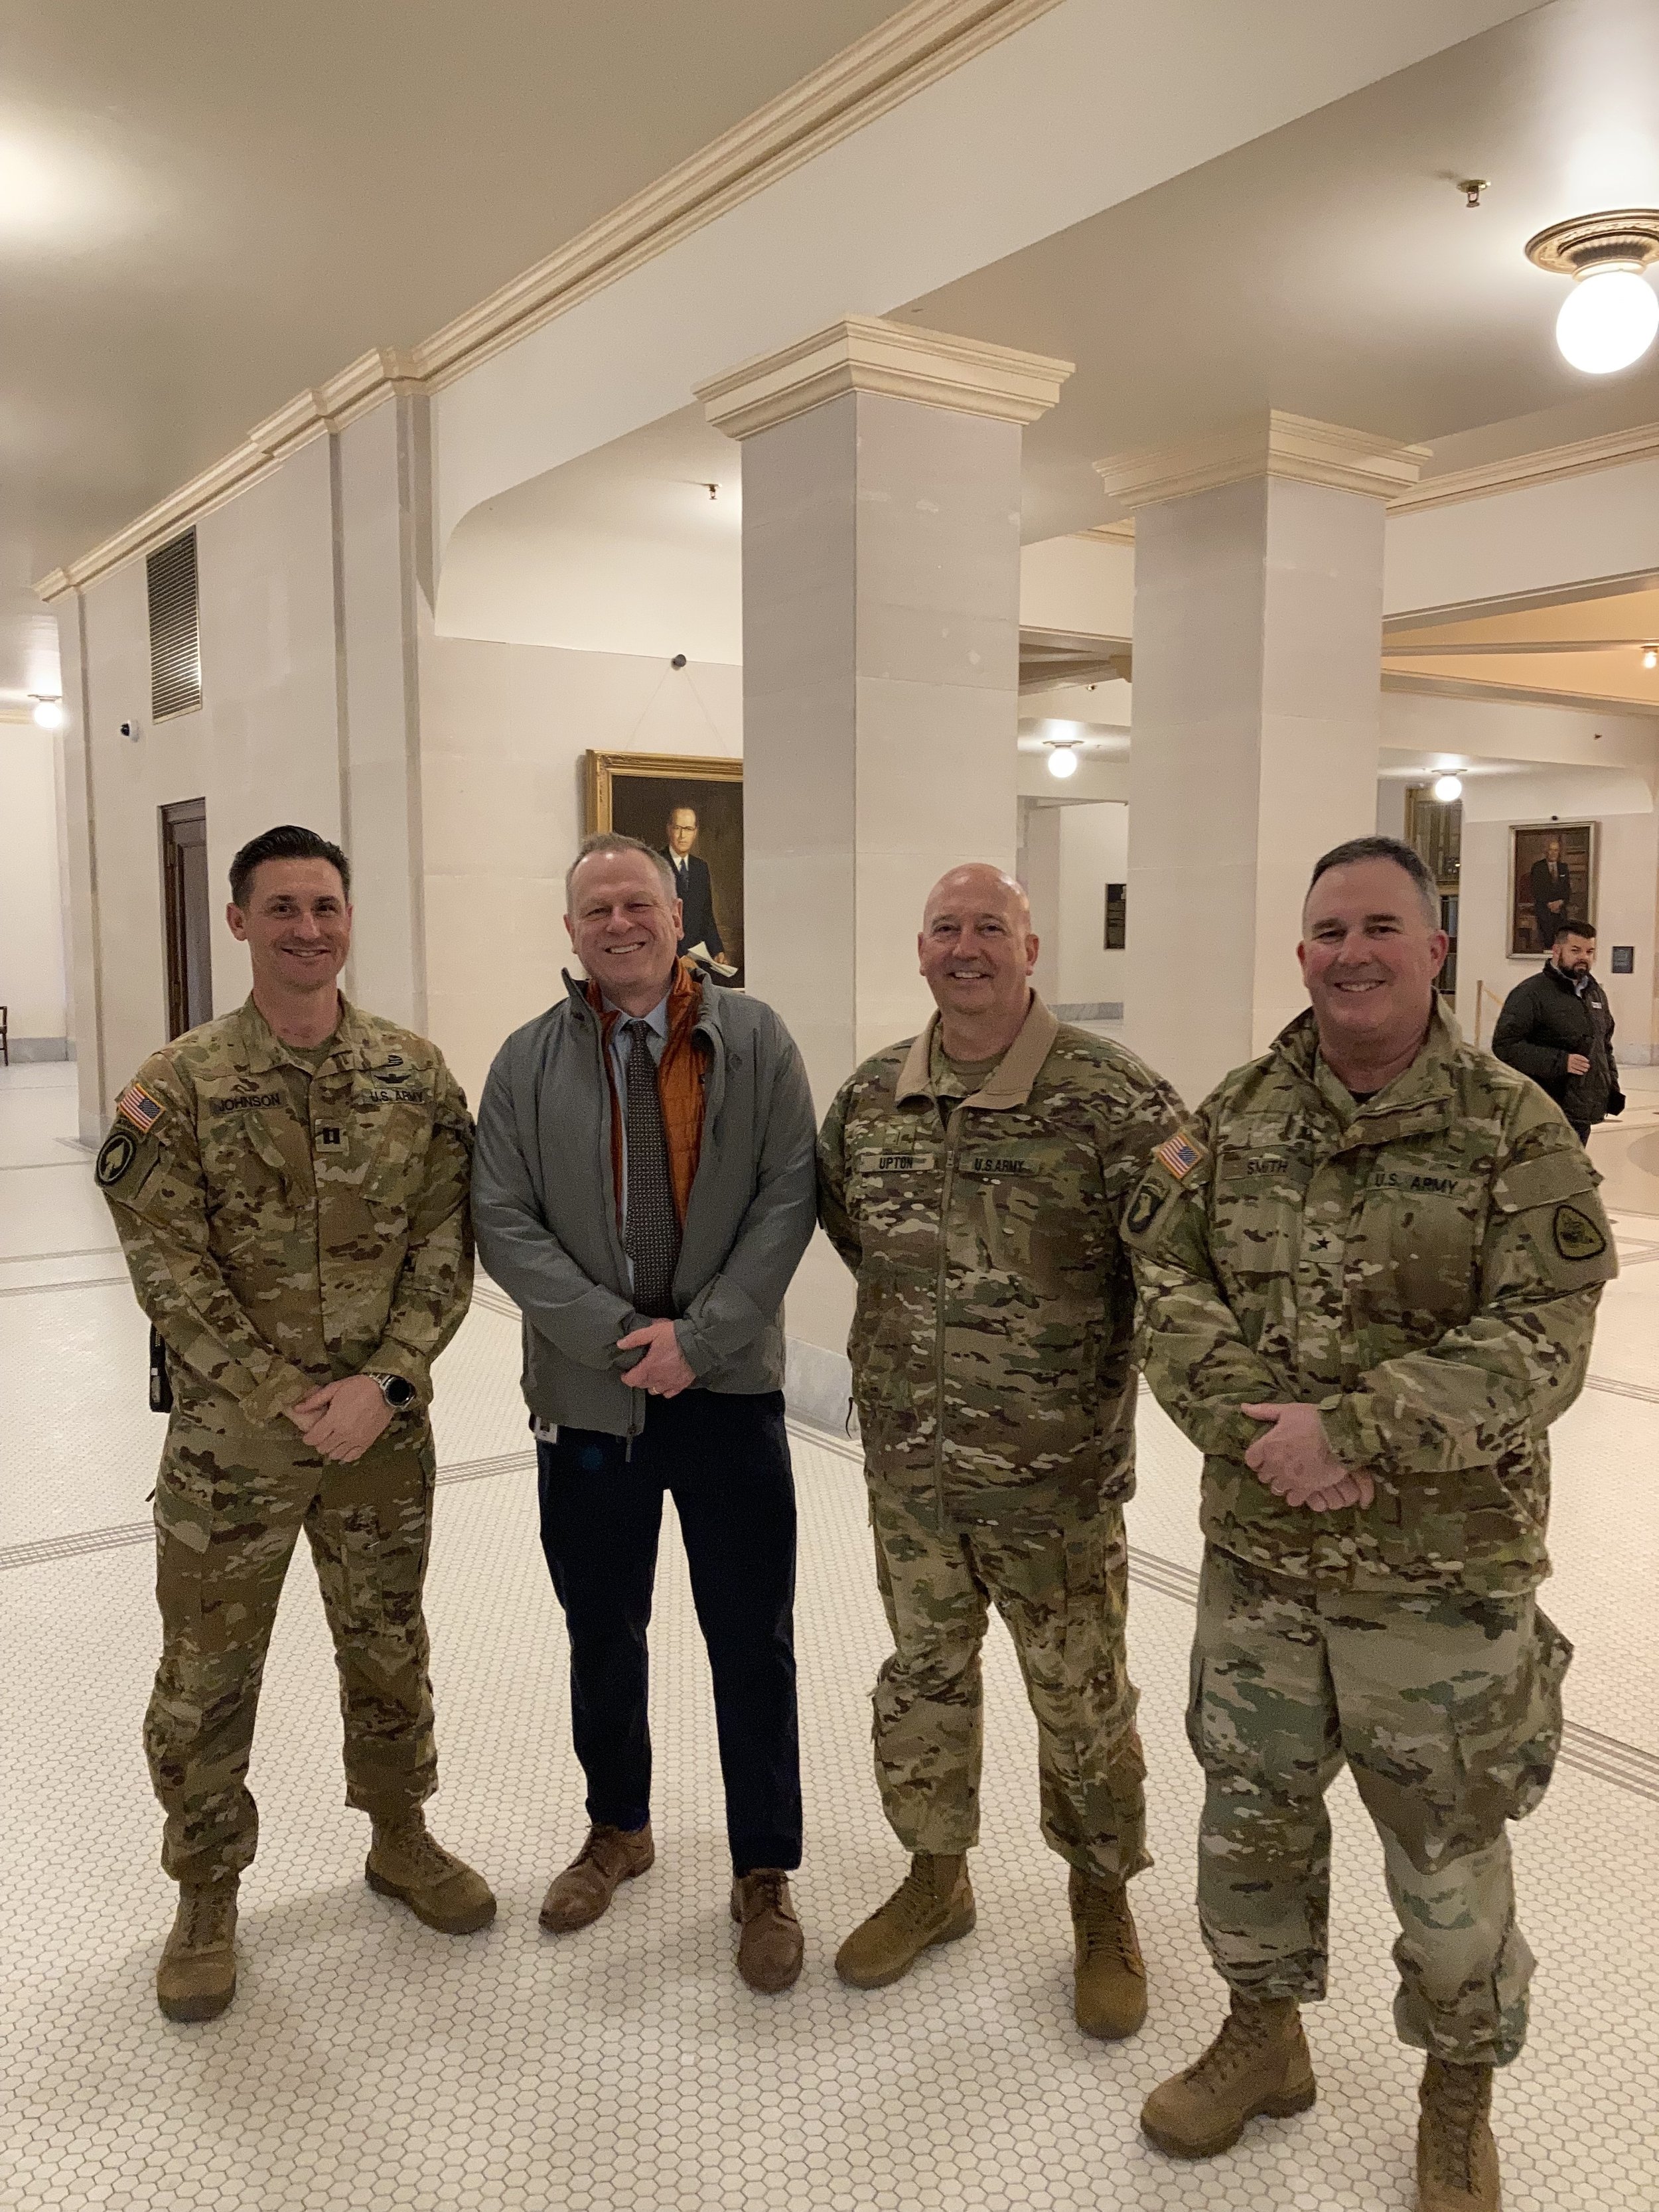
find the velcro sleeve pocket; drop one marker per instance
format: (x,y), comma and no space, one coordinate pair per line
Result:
(1553,1200)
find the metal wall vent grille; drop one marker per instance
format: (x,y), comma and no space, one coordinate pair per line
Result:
(175,650)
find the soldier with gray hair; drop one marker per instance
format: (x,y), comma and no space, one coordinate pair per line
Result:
(1370,1263)
(972,1178)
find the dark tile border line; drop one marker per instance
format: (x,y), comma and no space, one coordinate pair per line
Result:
(46,1549)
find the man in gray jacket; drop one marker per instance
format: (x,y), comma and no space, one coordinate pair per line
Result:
(643,1187)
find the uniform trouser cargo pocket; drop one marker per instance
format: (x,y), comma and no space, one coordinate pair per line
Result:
(1447,1708)
(228,1512)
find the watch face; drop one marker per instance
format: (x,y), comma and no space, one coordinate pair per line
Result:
(399,1392)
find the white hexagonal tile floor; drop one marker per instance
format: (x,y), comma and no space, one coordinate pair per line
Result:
(369,2064)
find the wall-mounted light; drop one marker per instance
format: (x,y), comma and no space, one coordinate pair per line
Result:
(1446,788)
(1610,316)
(48,710)
(1062,760)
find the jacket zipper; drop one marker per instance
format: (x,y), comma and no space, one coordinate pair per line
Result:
(634,1428)
(951,1128)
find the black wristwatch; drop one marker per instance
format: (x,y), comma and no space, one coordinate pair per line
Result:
(399,1393)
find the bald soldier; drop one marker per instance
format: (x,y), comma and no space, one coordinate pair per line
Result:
(972,1178)
(1371,1263)
(289,1184)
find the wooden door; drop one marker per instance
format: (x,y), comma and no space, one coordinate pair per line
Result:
(189,912)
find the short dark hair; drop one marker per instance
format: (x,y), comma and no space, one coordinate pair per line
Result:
(288,841)
(1384,848)
(1585,929)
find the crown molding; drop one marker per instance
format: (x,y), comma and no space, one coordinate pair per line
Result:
(1549,465)
(877,73)
(364,384)
(864,353)
(1272,444)
(1523,694)
(1111,534)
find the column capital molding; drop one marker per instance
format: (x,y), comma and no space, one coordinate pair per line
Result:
(1293,447)
(867,353)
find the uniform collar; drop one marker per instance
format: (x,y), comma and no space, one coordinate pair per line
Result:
(1419,1099)
(1010,1081)
(262,1048)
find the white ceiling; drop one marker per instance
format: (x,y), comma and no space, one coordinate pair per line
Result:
(1330,268)
(207,207)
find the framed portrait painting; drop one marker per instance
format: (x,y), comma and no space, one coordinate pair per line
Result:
(1551,879)
(690,810)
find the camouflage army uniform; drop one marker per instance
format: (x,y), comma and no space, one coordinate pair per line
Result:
(1425,1269)
(992,1364)
(287,1226)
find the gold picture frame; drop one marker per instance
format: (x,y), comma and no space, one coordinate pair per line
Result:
(635,792)
(1528,847)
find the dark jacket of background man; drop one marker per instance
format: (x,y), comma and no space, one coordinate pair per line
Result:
(1545,1019)
(696,889)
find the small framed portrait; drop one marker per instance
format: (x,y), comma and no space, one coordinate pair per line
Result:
(1551,880)
(690,810)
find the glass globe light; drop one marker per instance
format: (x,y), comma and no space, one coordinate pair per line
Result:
(48,714)
(1062,762)
(1448,787)
(1607,320)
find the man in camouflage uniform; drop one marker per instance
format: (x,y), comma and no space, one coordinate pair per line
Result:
(972,1178)
(290,1185)
(1371,1263)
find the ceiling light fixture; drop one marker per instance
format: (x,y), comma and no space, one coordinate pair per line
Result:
(1651,656)
(1062,759)
(1610,317)
(48,710)
(1446,788)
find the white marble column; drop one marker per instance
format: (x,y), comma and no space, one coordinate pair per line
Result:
(881,490)
(1258,627)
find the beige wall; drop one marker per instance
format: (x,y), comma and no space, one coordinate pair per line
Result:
(32,980)
(504,729)
(263,748)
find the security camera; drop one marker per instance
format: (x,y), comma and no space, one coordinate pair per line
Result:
(130,728)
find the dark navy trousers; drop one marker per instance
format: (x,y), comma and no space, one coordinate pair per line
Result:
(725,1462)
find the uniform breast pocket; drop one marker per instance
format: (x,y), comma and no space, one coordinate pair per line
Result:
(1419,1253)
(1260,1198)
(894,1197)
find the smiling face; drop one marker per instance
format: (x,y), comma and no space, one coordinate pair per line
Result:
(682,831)
(624,928)
(1370,955)
(977,948)
(297,926)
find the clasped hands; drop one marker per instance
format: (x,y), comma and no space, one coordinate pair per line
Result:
(662,1370)
(342,1420)
(1293,1460)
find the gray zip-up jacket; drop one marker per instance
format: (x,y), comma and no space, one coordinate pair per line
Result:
(544,1208)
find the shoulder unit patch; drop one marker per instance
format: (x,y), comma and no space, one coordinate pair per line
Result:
(1576,1236)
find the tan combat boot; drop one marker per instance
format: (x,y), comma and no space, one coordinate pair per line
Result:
(583,1891)
(1110,1976)
(933,1904)
(1456,2157)
(406,1863)
(1258,2063)
(771,1947)
(196,1977)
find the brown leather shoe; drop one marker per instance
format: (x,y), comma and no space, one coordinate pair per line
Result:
(771,1947)
(582,1893)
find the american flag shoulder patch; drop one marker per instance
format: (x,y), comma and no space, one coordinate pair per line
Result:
(136,1105)
(1181,1154)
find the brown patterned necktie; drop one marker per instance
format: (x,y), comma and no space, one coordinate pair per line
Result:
(651,1235)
